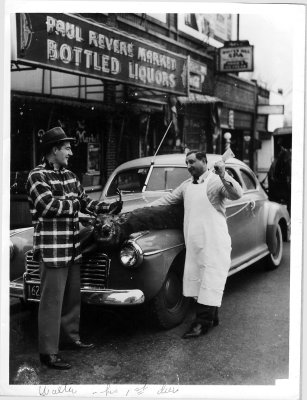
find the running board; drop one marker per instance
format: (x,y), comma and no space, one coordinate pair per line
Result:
(248,263)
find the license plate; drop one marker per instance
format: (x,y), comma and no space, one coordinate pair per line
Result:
(33,291)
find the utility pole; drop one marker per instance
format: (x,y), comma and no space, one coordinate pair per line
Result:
(255,136)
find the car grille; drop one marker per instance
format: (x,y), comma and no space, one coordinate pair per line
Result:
(94,270)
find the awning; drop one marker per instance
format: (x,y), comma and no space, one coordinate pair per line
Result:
(283,131)
(196,98)
(48,99)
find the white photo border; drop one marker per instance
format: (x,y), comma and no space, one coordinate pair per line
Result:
(283,389)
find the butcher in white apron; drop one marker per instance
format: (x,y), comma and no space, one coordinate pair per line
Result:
(208,244)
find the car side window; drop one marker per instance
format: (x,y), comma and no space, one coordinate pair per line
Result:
(249,181)
(234,175)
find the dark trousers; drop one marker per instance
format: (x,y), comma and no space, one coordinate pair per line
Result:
(59,307)
(207,316)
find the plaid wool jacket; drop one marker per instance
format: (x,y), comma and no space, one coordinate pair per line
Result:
(55,198)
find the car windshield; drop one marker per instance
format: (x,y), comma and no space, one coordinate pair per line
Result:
(128,181)
(161,178)
(167,178)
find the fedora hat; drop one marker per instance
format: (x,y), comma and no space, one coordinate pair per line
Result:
(55,135)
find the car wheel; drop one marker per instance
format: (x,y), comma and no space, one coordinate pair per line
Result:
(274,258)
(169,307)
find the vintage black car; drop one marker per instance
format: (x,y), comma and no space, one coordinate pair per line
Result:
(148,266)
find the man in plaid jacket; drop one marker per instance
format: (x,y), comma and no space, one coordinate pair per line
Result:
(55,198)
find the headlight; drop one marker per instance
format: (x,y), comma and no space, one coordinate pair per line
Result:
(12,250)
(131,255)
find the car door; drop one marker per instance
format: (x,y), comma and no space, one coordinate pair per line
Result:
(256,197)
(240,219)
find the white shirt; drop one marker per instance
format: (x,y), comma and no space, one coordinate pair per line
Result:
(218,190)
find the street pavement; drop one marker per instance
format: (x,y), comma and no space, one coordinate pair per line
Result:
(249,347)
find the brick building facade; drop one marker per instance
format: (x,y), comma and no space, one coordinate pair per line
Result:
(116,119)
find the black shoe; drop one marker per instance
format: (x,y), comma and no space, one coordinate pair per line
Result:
(78,345)
(54,361)
(195,330)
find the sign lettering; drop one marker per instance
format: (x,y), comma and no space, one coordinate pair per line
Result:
(72,44)
(235,57)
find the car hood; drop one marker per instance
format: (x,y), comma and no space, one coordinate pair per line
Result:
(137,200)
(131,202)
(22,239)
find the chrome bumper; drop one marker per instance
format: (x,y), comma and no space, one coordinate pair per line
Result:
(112,297)
(90,296)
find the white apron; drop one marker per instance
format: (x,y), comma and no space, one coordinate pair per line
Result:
(208,247)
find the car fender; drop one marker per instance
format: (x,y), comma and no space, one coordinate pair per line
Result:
(161,249)
(158,240)
(22,241)
(276,214)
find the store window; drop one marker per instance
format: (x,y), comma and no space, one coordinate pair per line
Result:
(22,143)
(196,130)
(30,119)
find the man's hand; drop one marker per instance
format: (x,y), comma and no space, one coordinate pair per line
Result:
(83,204)
(116,207)
(219,167)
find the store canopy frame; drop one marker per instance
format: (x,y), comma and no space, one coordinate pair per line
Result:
(196,98)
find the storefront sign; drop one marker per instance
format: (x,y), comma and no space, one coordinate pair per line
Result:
(198,73)
(71,44)
(235,57)
(81,135)
(270,109)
